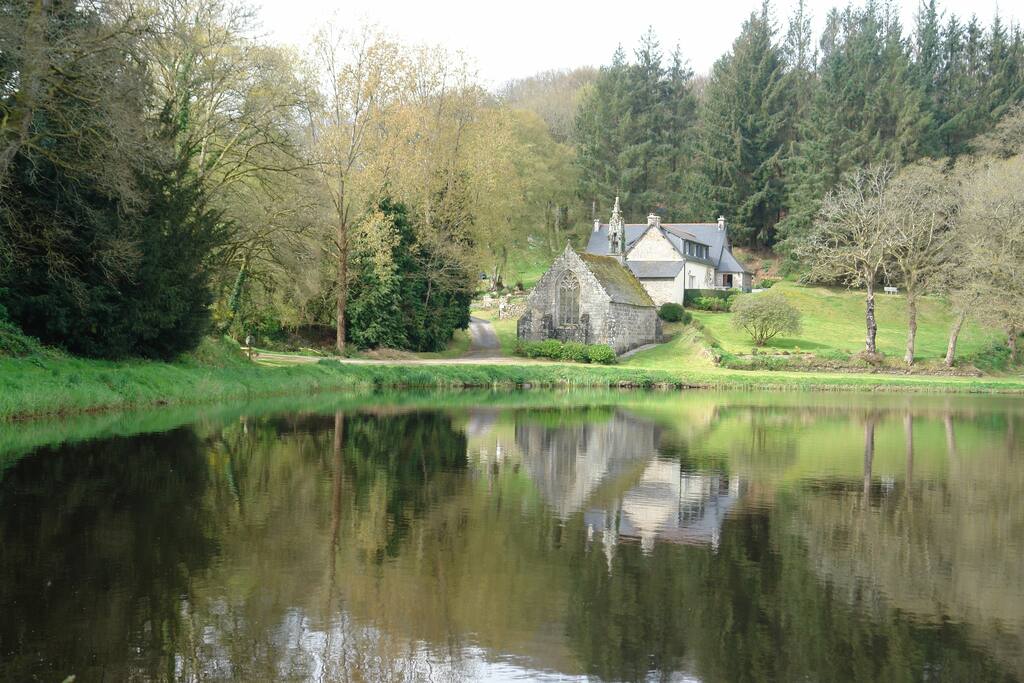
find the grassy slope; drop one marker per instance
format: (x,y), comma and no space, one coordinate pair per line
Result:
(833,319)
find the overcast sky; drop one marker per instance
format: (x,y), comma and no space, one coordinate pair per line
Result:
(512,39)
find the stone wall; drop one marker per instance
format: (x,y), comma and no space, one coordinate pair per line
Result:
(628,327)
(539,321)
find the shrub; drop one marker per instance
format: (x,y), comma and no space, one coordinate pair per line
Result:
(765,316)
(672,313)
(714,304)
(574,351)
(766,283)
(600,353)
(570,351)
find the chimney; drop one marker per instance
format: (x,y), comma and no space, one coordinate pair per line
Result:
(654,220)
(597,224)
(721,222)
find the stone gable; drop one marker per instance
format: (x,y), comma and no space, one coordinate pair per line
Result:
(653,246)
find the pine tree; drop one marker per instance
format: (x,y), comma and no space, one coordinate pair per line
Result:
(866,110)
(633,132)
(743,132)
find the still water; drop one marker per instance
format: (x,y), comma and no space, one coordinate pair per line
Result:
(697,537)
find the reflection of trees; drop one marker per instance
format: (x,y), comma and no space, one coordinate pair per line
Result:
(98,542)
(361,546)
(942,550)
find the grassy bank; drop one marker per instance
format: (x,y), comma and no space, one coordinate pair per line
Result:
(45,384)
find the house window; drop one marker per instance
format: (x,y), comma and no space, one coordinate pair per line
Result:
(693,281)
(568,300)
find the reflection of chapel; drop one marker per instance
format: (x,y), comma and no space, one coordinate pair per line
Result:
(608,294)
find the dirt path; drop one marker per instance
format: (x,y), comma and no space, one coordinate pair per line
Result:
(484,349)
(483,340)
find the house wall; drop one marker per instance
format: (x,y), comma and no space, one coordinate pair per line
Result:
(740,281)
(703,276)
(664,290)
(653,246)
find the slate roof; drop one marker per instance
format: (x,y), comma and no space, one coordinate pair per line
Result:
(618,282)
(655,269)
(702,233)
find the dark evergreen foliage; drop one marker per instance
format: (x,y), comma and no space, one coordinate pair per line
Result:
(404,306)
(634,134)
(781,122)
(147,297)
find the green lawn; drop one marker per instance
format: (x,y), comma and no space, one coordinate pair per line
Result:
(833,320)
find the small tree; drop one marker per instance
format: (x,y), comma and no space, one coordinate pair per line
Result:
(765,316)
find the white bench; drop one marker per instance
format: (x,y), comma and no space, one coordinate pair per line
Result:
(891,290)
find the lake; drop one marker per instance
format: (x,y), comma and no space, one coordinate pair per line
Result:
(698,536)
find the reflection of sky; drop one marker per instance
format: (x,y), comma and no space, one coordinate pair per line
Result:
(349,650)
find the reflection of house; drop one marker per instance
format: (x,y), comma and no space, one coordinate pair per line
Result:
(668,504)
(569,462)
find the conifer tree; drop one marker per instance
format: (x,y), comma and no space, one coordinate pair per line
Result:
(743,132)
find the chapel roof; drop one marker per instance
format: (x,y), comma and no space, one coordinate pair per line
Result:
(618,282)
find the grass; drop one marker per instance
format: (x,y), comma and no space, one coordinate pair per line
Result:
(833,320)
(52,384)
(48,383)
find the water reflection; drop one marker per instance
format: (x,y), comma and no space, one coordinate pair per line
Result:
(714,537)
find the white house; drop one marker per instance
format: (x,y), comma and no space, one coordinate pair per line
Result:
(670,258)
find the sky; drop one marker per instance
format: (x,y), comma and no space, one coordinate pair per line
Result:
(507,40)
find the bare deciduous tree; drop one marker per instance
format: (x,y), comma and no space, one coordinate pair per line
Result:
(851,239)
(923,201)
(993,219)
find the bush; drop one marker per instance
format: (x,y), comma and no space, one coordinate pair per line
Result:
(765,316)
(12,341)
(715,304)
(570,351)
(673,313)
(600,353)
(574,351)
(766,283)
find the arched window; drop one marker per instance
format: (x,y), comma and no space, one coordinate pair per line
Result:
(568,300)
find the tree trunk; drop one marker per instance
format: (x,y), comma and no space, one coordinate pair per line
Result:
(908,440)
(869,454)
(342,285)
(908,357)
(954,335)
(869,315)
(1011,342)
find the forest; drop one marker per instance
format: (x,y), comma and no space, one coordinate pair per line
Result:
(166,172)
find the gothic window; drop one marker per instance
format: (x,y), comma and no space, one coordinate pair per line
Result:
(568,300)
